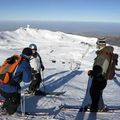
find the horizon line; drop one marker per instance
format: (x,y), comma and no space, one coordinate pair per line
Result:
(57,21)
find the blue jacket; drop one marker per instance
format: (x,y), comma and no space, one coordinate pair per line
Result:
(23,73)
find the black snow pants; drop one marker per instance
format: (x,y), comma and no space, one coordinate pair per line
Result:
(12,101)
(35,83)
(96,91)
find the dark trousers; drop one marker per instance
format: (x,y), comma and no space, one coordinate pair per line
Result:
(35,83)
(96,91)
(12,101)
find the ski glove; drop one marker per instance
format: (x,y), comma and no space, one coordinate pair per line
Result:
(90,73)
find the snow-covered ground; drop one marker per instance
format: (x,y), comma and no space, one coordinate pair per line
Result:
(66,58)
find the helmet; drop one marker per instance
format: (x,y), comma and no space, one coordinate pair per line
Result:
(33,46)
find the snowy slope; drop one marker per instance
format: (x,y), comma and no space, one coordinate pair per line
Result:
(67,58)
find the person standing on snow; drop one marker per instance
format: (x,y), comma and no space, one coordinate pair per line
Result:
(96,90)
(11,92)
(37,66)
(103,70)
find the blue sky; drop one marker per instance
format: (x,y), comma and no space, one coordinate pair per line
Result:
(60,10)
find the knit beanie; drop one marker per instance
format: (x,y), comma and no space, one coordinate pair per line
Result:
(27,51)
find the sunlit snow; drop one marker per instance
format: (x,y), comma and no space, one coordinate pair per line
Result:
(66,58)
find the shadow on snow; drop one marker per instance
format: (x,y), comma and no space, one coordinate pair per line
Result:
(31,101)
(61,81)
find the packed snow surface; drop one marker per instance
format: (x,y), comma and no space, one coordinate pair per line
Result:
(66,58)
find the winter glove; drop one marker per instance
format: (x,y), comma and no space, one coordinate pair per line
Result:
(90,73)
(42,67)
(32,70)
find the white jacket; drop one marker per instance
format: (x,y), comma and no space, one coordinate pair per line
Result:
(36,63)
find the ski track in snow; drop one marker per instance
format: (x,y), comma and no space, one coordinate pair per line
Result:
(67,58)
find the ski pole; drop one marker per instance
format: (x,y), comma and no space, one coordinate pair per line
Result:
(43,80)
(87,98)
(23,101)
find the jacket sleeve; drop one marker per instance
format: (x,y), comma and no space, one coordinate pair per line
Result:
(26,76)
(41,63)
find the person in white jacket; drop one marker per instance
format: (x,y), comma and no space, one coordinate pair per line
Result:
(37,66)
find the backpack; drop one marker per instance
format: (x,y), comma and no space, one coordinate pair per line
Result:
(8,68)
(111,69)
(102,62)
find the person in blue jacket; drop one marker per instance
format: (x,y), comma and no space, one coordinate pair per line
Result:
(11,93)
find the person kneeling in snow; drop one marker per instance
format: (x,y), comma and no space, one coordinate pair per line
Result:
(37,66)
(11,92)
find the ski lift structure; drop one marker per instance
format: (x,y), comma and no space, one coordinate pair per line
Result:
(101,42)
